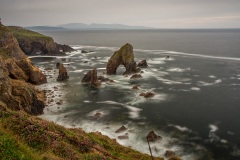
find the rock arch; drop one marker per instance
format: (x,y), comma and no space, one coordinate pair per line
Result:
(124,56)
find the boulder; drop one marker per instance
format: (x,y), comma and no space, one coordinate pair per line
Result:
(91,78)
(135,76)
(152,137)
(143,64)
(124,56)
(63,75)
(121,129)
(125,136)
(136,87)
(147,94)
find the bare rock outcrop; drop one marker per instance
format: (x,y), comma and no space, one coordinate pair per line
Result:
(143,64)
(17,74)
(63,75)
(91,78)
(124,56)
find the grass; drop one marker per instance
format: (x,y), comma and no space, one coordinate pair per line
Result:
(27,137)
(20,32)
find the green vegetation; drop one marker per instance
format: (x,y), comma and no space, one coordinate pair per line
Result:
(20,32)
(26,137)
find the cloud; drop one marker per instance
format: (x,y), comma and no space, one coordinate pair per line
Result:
(156,13)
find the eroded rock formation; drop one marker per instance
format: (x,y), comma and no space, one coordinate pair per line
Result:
(63,75)
(91,78)
(124,56)
(16,74)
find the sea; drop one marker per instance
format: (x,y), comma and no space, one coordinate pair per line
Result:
(196,107)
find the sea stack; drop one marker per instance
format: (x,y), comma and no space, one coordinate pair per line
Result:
(63,75)
(123,56)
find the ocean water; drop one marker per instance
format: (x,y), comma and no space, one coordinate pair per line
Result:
(196,104)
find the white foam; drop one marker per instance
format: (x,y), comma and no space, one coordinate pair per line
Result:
(181,128)
(201,83)
(195,89)
(178,69)
(213,128)
(134,112)
(212,76)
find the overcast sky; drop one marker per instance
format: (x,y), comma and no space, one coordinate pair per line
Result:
(153,13)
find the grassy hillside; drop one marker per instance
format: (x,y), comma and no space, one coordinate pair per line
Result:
(26,137)
(20,32)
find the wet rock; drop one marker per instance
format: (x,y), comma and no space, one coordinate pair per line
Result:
(124,56)
(84,51)
(121,129)
(152,137)
(97,115)
(169,153)
(136,87)
(125,136)
(48,68)
(63,75)
(57,65)
(135,76)
(103,79)
(147,94)
(85,62)
(91,78)
(59,103)
(142,64)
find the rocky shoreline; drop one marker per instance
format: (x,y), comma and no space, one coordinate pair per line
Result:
(18,76)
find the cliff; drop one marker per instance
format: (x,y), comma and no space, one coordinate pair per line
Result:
(17,75)
(33,43)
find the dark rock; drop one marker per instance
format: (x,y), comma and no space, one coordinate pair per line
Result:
(91,78)
(48,68)
(135,76)
(169,153)
(124,56)
(57,65)
(85,62)
(84,51)
(174,158)
(64,48)
(121,129)
(125,136)
(136,87)
(147,94)
(142,64)
(63,75)
(152,137)
(97,115)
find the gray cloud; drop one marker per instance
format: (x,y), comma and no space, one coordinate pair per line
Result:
(156,13)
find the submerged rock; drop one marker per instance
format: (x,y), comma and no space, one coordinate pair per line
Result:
(135,76)
(136,87)
(125,136)
(152,137)
(143,64)
(91,78)
(124,56)
(147,94)
(121,129)
(63,75)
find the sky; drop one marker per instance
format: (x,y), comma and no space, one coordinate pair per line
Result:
(152,13)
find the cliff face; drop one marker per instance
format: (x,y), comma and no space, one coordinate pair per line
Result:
(33,43)
(17,74)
